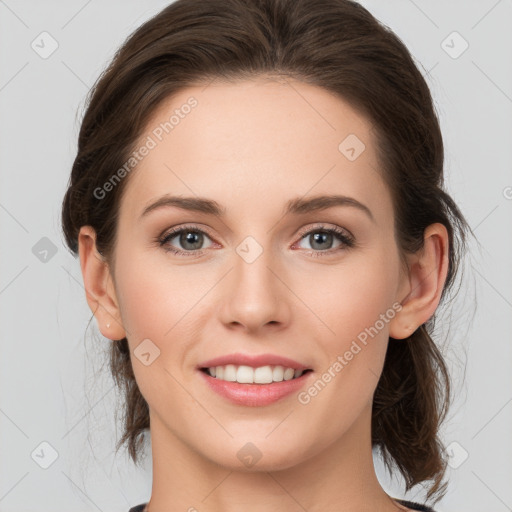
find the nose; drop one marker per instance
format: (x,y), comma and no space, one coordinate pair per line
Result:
(256,296)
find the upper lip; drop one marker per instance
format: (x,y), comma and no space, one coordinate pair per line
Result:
(253,360)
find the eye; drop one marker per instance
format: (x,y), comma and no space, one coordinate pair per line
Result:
(321,240)
(190,238)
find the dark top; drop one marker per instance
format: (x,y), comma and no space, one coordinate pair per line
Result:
(409,504)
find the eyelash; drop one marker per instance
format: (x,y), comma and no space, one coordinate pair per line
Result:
(347,240)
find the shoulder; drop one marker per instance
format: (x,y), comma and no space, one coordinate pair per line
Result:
(410,504)
(138,508)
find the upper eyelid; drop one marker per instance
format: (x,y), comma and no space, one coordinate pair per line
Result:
(176,230)
(325,226)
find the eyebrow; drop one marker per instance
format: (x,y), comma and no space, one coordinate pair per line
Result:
(298,206)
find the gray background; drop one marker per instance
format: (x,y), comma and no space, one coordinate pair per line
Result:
(54,385)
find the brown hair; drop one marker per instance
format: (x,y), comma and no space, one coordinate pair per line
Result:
(334,44)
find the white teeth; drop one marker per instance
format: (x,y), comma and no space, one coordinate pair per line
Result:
(230,373)
(262,375)
(289,373)
(249,375)
(278,374)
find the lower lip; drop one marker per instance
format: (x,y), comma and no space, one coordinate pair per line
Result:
(254,395)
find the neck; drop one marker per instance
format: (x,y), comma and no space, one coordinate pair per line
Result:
(339,478)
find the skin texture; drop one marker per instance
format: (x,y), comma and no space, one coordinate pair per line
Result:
(251,146)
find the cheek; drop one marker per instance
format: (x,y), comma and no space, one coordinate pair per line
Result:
(357,310)
(138,304)
(153,299)
(156,305)
(351,297)
(356,304)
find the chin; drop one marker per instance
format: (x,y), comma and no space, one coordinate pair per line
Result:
(258,456)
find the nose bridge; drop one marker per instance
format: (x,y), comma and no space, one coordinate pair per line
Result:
(253,261)
(256,295)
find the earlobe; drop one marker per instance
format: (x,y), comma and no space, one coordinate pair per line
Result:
(99,287)
(427,275)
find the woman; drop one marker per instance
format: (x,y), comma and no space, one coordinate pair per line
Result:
(225,144)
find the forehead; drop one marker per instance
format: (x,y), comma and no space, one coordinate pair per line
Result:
(259,138)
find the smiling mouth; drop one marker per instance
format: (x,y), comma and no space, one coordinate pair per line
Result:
(242,374)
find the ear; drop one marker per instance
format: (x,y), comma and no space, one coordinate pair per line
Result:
(99,286)
(420,290)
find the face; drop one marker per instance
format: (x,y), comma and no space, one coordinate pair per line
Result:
(267,274)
